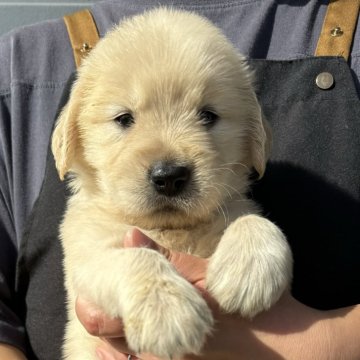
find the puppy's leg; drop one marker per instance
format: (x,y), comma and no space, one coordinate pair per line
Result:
(162,313)
(251,266)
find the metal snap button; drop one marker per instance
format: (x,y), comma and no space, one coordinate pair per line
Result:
(85,48)
(324,80)
(336,31)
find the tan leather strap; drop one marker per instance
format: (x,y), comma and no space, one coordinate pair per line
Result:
(338,28)
(82,32)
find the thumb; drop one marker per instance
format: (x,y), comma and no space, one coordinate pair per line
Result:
(135,238)
(191,267)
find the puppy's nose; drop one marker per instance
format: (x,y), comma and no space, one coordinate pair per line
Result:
(168,179)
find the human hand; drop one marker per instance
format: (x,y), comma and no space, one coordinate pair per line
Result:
(10,353)
(289,330)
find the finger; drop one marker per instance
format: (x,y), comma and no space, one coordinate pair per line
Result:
(191,267)
(106,355)
(96,322)
(114,345)
(115,349)
(136,238)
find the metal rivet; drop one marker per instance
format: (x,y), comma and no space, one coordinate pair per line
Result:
(85,48)
(337,31)
(324,80)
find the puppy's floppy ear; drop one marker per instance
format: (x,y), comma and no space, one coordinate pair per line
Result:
(260,139)
(65,136)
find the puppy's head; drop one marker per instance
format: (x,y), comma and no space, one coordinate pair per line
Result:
(162,125)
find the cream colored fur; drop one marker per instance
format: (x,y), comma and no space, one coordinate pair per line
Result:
(163,67)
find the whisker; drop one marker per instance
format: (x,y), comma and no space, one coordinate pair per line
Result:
(225,188)
(236,163)
(221,210)
(225,168)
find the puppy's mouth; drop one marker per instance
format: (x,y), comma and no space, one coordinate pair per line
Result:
(166,209)
(171,200)
(170,205)
(170,213)
(169,218)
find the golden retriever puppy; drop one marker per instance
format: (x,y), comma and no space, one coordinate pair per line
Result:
(161,132)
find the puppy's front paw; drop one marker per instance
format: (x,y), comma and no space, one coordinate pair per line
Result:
(251,267)
(168,320)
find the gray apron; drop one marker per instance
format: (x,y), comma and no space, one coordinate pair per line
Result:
(310,189)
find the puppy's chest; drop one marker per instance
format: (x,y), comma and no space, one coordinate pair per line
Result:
(203,239)
(201,242)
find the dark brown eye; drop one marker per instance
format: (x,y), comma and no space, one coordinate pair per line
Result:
(125,120)
(208,118)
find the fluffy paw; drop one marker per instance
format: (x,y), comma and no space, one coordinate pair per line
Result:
(251,267)
(169,319)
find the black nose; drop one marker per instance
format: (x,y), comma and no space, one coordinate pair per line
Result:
(168,179)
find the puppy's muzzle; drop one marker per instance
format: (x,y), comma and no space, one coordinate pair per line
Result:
(169,179)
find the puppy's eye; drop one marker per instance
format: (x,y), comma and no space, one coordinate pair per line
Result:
(208,118)
(125,120)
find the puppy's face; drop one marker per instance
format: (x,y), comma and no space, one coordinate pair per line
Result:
(162,124)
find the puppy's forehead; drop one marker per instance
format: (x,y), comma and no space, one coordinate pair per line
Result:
(164,50)
(164,36)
